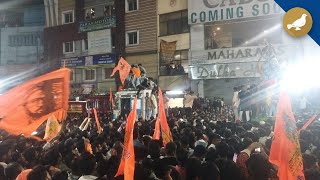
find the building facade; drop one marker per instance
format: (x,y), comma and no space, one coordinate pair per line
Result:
(141,34)
(21,47)
(173,28)
(82,36)
(227,41)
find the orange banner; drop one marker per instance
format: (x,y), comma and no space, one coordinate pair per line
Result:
(24,108)
(166,134)
(52,128)
(285,149)
(156,134)
(124,69)
(127,163)
(97,120)
(111,99)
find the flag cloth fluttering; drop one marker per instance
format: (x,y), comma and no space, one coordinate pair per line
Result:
(124,69)
(165,130)
(285,149)
(156,134)
(24,108)
(52,128)
(310,121)
(127,162)
(97,120)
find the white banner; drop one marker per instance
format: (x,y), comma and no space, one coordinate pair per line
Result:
(218,71)
(203,11)
(99,42)
(242,54)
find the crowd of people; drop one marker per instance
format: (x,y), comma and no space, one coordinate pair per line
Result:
(207,145)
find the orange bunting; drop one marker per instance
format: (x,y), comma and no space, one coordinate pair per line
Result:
(285,149)
(127,162)
(24,108)
(124,69)
(166,133)
(111,99)
(97,120)
(156,134)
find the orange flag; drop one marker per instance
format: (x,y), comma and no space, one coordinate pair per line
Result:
(166,134)
(310,121)
(97,120)
(24,108)
(124,69)
(111,99)
(285,149)
(156,134)
(52,128)
(127,162)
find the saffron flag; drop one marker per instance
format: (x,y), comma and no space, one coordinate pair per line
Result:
(124,69)
(97,120)
(156,133)
(24,108)
(127,162)
(166,134)
(308,123)
(285,149)
(52,128)
(111,99)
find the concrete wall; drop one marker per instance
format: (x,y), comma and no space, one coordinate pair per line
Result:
(20,54)
(165,6)
(149,61)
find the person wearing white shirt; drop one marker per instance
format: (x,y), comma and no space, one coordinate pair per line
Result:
(236,103)
(188,102)
(154,105)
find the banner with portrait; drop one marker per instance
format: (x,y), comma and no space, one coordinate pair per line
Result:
(167,51)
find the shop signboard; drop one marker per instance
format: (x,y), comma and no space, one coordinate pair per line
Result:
(99,42)
(97,24)
(242,54)
(98,59)
(225,70)
(204,11)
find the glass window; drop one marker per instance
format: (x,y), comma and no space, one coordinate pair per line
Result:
(132,5)
(68,47)
(107,72)
(244,34)
(89,74)
(132,38)
(177,66)
(67,17)
(174,23)
(85,44)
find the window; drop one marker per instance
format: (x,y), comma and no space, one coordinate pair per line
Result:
(68,47)
(174,23)
(89,74)
(108,10)
(85,45)
(107,72)
(72,75)
(67,17)
(90,13)
(177,66)
(132,5)
(132,38)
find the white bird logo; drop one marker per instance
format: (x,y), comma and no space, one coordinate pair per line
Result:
(297,24)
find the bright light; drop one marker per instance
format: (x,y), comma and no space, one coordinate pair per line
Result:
(34,133)
(218,28)
(174,92)
(300,77)
(237,68)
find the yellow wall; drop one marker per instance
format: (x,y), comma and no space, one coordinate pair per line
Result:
(165,7)
(182,40)
(149,61)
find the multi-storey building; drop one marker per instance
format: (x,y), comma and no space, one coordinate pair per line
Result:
(21,48)
(173,28)
(82,35)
